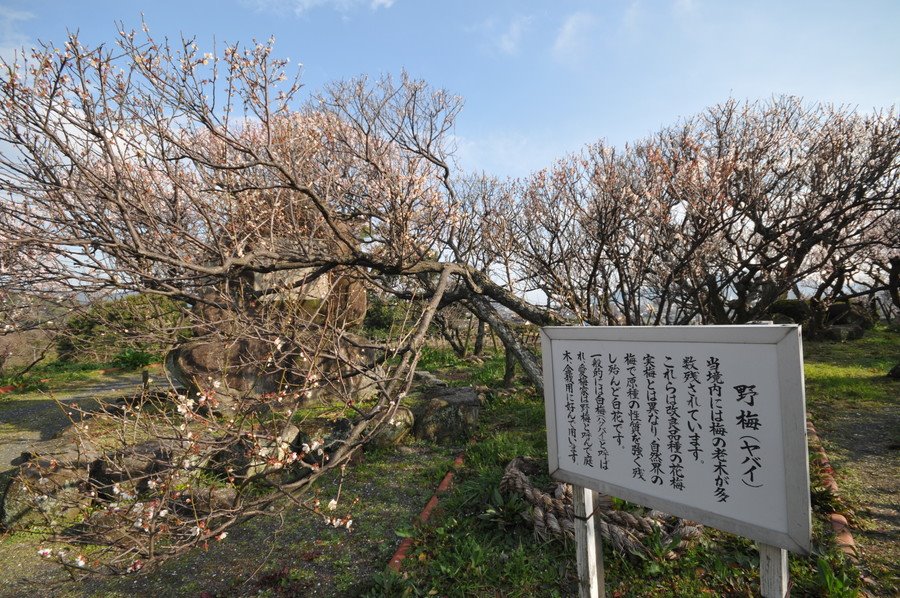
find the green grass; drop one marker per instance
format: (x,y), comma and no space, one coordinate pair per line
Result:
(53,375)
(852,374)
(434,358)
(480,544)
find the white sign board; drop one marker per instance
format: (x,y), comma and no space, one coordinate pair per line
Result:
(703,422)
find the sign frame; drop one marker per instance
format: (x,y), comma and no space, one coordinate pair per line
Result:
(789,359)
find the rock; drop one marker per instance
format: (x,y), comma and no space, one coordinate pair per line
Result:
(447,414)
(798,310)
(848,313)
(895,372)
(70,447)
(231,370)
(277,450)
(44,493)
(782,319)
(209,499)
(134,464)
(395,430)
(289,434)
(842,333)
(243,366)
(335,299)
(322,437)
(428,379)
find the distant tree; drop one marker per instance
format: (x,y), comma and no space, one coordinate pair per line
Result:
(716,219)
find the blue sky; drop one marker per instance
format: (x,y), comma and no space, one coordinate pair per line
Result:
(540,79)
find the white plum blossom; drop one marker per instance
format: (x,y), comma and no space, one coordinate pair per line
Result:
(186,405)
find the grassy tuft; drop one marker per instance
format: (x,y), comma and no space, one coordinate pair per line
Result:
(481,545)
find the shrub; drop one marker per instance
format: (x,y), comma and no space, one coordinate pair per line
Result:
(131,331)
(382,314)
(796,309)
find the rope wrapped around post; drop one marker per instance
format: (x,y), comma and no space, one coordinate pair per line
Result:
(553,515)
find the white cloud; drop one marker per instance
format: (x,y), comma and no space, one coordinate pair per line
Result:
(575,37)
(502,37)
(505,153)
(11,39)
(299,7)
(509,40)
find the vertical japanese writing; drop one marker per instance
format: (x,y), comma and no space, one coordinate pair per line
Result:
(653,420)
(748,419)
(676,460)
(600,410)
(584,403)
(569,379)
(634,415)
(614,388)
(692,378)
(717,429)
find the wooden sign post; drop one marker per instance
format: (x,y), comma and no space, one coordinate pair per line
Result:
(703,422)
(589,558)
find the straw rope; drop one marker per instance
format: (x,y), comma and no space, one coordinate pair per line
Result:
(553,514)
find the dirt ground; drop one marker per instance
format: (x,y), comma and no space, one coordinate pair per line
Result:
(280,558)
(28,420)
(289,555)
(864,449)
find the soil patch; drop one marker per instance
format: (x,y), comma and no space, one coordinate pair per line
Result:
(864,449)
(292,554)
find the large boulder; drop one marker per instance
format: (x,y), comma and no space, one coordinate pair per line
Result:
(447,414)
(849,313)
(224,352)
(797,310)
(239,367)
(842,333)
(333,299)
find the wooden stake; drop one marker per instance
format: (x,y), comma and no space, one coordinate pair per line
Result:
(590,567)
(773,571)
